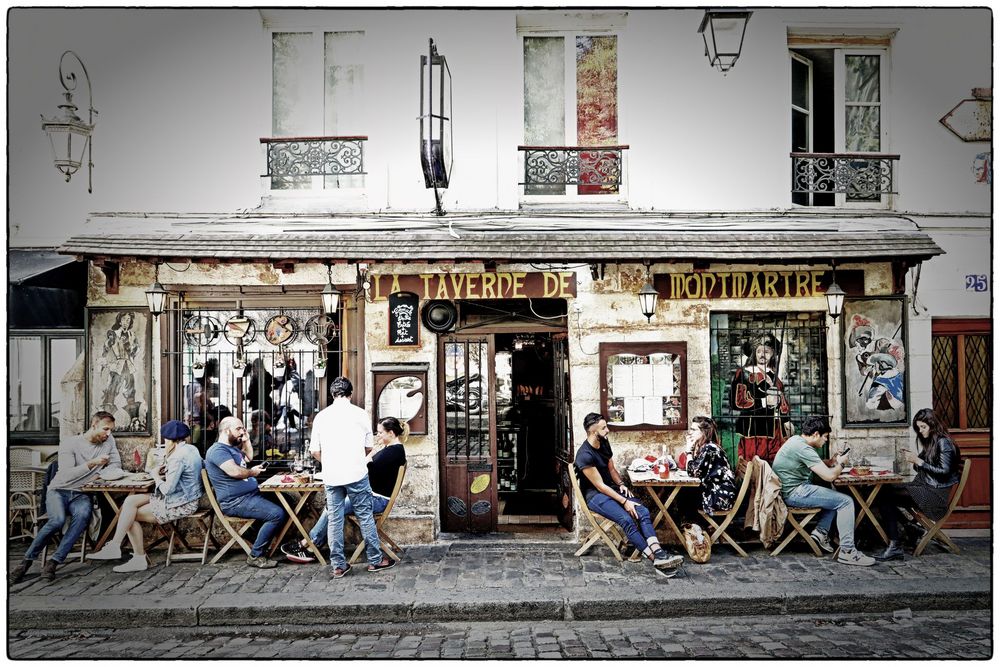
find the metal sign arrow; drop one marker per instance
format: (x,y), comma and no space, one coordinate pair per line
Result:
(971,119)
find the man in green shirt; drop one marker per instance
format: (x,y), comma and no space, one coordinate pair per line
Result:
(795,462)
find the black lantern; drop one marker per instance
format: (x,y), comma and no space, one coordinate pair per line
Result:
(156,295)
(647,298)
(835,297)
(435,122)
(723,31)
(330,295)
(70,136)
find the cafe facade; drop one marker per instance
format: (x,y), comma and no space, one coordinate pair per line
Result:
(491,199)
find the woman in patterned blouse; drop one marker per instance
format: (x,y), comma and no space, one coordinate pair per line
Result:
(709,463)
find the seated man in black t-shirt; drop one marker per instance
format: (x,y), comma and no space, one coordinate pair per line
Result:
(607,495)
(383,469)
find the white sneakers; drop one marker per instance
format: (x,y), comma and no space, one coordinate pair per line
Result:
(855,557)
(109,552)
(822,539)
(134,564)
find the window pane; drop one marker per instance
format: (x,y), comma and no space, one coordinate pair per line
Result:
(862,78)
(545,99)
(597,110)
(62,354)
(800,132)
(863,129)
(343,113)
(800,84)
(978,388)
(290,111)
(944,377)
(25,407)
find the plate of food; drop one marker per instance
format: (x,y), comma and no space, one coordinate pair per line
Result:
(112,474)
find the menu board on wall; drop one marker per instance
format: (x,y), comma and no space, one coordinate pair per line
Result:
(404,325)
(642,385)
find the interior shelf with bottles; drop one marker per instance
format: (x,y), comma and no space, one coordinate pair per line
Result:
(510,442)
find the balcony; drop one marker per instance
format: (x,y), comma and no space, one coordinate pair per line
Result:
(315,163)
(829,179)
(573,171)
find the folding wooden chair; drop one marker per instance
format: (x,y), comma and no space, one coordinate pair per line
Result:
(934,528)
(205,520)
(601,526)
(234,525)
(799,528)
(388,544)
(727,516)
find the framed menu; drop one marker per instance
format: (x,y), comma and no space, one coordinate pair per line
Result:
(404,325)
(644,385)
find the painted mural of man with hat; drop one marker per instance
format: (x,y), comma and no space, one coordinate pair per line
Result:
(759,396)
(175,495)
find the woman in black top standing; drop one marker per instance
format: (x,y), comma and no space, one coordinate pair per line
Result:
(938,469)
(606,494)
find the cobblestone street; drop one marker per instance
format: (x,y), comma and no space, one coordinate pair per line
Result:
(924,635)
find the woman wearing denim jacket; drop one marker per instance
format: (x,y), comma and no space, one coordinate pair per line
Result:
(938,468)
(177,491)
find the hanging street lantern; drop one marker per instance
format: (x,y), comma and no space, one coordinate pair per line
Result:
(647,297)
(835,299)
(156,295)
(330,295)
(723,31)
(69,136)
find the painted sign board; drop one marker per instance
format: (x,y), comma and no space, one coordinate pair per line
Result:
(485,285)
(404,325)
(755,284)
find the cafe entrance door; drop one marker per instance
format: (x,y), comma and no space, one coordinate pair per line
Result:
(505,431)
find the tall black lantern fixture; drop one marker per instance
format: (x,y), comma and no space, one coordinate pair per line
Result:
(835,297)
(156,295)
(723,31)
(70,136)
(435,123)
(647,297)
(330,295)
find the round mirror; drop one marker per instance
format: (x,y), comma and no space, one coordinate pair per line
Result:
(401,398)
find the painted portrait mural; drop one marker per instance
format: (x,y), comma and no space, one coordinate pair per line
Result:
(119,366)
(875,362)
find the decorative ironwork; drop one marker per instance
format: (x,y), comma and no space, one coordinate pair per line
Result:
(861,176)
(315,156)
(597,167)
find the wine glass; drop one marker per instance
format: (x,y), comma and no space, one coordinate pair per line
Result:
(298,464)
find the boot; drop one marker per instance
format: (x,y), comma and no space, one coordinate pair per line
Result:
(17,574)
(892,552)
(49,570)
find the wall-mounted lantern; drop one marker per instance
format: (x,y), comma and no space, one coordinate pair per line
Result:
(156,295)
(647,297)
(723,31)
(835,297)
(69,135)
(330,295)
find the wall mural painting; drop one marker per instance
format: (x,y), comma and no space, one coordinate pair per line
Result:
(874,339)
(119,369)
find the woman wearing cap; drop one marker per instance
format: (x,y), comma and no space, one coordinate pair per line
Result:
(759,396)
(177,491)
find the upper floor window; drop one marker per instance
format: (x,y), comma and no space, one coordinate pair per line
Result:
(839,127)
(571,141)
(317,112)
(38,362)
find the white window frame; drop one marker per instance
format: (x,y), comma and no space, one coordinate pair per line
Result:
(808,112)
(569,36)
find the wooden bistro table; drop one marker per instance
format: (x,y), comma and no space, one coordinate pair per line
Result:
(305,490)
(664,492)
(126,486)
(876,480)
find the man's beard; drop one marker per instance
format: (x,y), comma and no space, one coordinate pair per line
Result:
(602,441)
(235,439)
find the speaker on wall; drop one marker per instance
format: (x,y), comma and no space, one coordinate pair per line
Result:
(439,316)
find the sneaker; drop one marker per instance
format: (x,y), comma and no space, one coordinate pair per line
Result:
(109,552)
(386,564)
(17,574)
(296,553)
(855,557)
(49,570)
(823,540)
(662,560)
(133,564)
(892,552)
(341,571)
(261,562)
(667,572)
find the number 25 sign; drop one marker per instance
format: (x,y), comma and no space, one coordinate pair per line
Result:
(976,282)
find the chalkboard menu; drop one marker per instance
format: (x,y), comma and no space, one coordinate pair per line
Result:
(404,325)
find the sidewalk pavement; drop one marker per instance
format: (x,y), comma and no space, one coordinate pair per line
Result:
(491,579)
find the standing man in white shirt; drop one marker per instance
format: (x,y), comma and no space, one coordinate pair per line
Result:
(341,434)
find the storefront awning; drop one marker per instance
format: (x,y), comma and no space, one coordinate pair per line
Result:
(564,237)
(26,264)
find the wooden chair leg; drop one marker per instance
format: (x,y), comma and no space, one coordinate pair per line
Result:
(720,531)
(237,538)
(799,528)
(934,532)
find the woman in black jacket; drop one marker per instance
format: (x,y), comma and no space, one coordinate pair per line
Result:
(938,468)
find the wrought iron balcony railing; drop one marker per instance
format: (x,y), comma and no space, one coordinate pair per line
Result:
(859,176)
(289,157)
(592,169)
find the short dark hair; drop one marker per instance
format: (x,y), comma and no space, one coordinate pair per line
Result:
(591,419)
(100,416)
(341,387)
(815,425)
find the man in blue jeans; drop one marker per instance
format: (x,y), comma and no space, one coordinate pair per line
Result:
(794,464)
(607,495)
(236,489)
(82,458)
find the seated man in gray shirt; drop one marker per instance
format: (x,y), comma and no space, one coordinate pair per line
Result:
(81,460)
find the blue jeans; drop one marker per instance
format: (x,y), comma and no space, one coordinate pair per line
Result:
(638,535)
(318,532)
(59,504)
(360,494)
(832,502)
(255,506)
